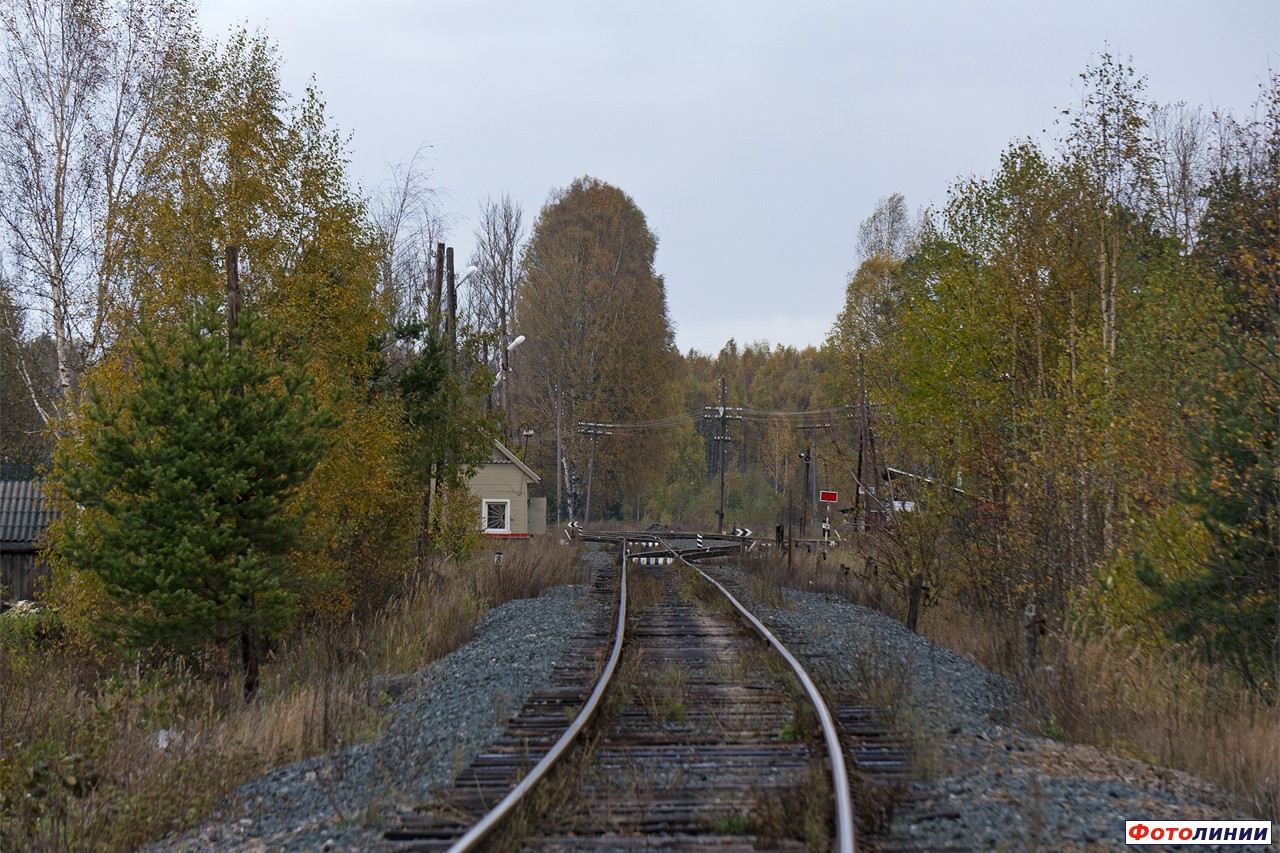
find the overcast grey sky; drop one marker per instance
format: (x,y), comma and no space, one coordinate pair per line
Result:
(754,136)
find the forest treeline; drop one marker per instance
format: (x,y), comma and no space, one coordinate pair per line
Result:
(1065,376)
(1086,341)
(1065,381)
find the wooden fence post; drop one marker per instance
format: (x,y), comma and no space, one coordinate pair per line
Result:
(913,600)
(1032,628)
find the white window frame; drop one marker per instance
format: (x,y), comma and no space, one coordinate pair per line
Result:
(484,515)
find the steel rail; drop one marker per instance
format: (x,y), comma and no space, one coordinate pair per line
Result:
(584,535)
(490,821)
(845,841)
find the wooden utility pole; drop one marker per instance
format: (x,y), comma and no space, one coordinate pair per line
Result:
(437,287)
(867,475)
(873,460)
(804,503)
(791,532)
(723,440)
(434,312)
(559,452)
(591,467)
(594,430)
(722,437)
(810,475)
(504,363)
(444,287)
(451,320)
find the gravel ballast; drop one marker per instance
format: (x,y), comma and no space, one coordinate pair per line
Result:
(992,785)
(341,801)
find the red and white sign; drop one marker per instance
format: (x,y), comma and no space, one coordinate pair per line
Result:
(828,497)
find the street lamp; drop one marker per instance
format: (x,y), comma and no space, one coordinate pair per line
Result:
(503,398)
(510,348)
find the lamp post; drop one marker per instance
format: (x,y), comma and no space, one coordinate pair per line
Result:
(504,370)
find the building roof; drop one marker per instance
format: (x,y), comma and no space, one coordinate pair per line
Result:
(505,455)
(24,514)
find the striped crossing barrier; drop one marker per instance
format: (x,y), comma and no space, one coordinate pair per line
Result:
(651,561)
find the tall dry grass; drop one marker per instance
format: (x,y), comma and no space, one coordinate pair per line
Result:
(1093,686)
(110,760)
(1097,686)
(838,572)
(440,612)
(1167,710)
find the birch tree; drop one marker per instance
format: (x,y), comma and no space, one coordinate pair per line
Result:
(492,297)
(1111,150)
(407,219)
(76,106)
(1182,137)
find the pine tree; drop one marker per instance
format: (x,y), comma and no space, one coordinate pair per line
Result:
(185,489)
(1231,605)
(234,161)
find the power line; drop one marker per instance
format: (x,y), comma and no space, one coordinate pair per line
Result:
(594,430)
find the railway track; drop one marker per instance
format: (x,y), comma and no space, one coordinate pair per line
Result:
(700,732)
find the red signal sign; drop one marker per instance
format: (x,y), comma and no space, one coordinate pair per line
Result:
(828,497)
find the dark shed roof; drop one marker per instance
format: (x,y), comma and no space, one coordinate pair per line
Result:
(24,514)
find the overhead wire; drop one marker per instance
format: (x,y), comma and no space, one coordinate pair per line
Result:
(807,413)
(750,415)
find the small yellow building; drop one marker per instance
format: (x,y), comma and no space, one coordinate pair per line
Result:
(506,509)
